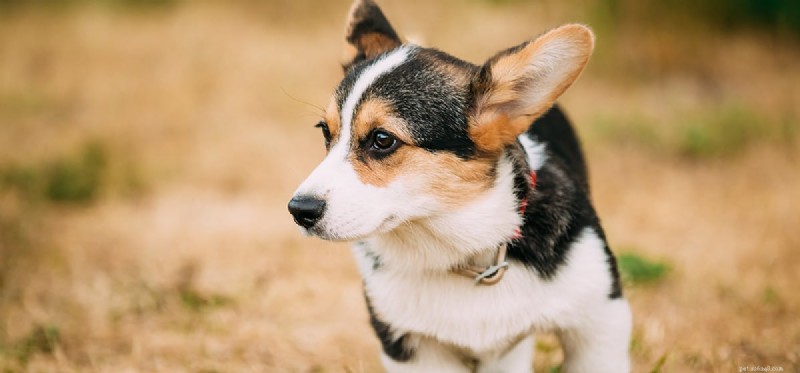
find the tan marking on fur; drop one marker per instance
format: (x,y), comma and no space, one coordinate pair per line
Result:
(377,113)
(375,44)
(460,76)
(492,132)
(349,53)
(332,118)
(370,44)
(448,178)
(451,179)
(502,114)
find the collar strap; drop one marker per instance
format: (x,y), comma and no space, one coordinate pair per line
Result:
(489,275)
(495,272)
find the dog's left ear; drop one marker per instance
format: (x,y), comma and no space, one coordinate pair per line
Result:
(521,83)
(368,34)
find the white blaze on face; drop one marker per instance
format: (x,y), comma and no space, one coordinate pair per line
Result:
(354,209)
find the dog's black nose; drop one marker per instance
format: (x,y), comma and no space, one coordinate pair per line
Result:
(306,210)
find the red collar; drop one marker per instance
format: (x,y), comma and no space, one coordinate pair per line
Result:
(523,205)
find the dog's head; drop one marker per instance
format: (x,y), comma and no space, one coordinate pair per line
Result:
(414,133)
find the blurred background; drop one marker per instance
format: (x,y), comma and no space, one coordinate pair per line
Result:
(148,149)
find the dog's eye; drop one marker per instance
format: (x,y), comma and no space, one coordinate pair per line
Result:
(326,132)
(383,142)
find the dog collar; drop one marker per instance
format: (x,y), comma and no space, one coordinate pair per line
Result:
(494,273)
(489,275)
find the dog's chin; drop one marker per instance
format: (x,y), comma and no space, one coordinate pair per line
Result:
(320,231)
(323,232)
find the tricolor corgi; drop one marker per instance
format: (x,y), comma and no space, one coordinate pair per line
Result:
(466,193)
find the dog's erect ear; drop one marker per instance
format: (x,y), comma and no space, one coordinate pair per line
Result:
(521,83)
(368,34)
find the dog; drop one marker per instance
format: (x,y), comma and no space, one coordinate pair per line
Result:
(466,193)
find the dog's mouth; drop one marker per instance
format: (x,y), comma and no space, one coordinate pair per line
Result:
(318,231)
(323,231)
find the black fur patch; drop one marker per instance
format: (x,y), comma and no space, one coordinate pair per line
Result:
(559,208)
(422,93)
(375,259)
(395,348)
(429,100)
(553,127)
(368,19)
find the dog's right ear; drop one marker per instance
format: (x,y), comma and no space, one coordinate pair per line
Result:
(368,34)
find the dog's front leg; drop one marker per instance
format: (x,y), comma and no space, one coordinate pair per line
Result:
(428,356)
(518,359)
(599,342)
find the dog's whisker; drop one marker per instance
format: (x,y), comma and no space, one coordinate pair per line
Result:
(320,110)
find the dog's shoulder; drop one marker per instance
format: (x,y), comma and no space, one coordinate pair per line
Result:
(554,130)
(559,205)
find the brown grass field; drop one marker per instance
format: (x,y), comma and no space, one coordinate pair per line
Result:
(147,155)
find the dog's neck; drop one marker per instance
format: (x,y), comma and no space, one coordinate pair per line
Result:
(471,233)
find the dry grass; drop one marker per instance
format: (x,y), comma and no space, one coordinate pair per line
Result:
(186,259)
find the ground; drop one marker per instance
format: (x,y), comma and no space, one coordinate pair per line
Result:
(147,156)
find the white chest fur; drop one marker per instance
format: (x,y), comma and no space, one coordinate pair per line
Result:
(483,319)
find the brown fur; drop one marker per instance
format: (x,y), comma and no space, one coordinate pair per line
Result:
(331,117)
(501,111)
(377,113)
(364,40)
(443,174)
(350,54)
(460,75)
(451,179)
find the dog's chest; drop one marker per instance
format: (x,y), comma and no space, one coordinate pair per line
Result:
(480,318)
(452,309)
